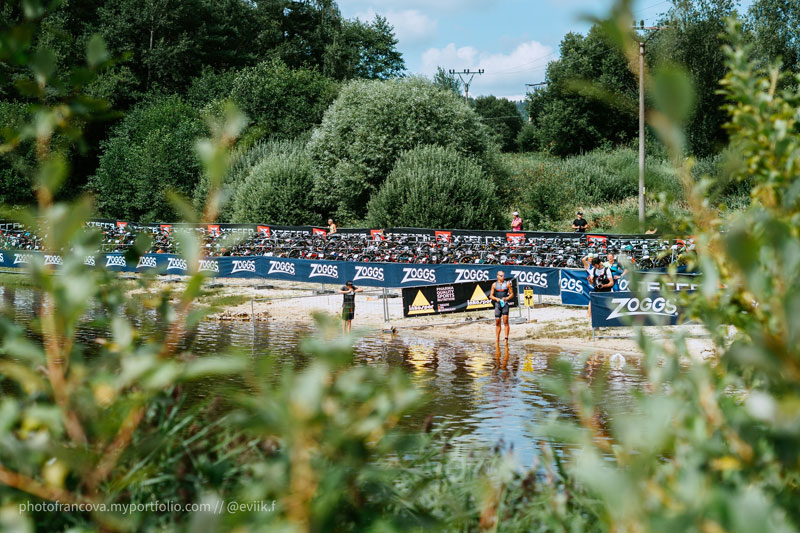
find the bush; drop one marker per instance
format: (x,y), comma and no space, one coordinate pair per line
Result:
(281,102)
(436,187)
(149,153)
(502,117)
(372,122)
(278,188)
(526,138)
(15,184)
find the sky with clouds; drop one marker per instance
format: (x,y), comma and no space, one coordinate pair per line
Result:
(512,40)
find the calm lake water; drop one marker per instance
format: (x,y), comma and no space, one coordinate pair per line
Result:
(488,394)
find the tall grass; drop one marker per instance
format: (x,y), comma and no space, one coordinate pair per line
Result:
(548,190)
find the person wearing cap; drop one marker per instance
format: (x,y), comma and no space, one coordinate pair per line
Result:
(579,224)
(516,223)
(348,305)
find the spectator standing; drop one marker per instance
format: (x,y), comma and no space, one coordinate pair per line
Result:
(516,223)
(579,224)
(348,305)
(600,277)
(617,270)
(331,227)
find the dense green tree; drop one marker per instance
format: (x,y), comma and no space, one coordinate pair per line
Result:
(589,98)
(150,153)
(526,138)
(282,102)
(15,168)
(364,50)
(436,187)
(774,25)
(278,189)
(502,117)
(372,122)
(695,40)
(445,80)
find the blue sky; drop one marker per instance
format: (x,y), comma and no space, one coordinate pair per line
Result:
(512,40)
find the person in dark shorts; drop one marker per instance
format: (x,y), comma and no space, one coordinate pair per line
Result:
(579,224)
(502,292)
(348,305)
(601,278)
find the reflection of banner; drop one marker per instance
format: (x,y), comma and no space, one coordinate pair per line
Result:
(622,309)
(451,298)
(574,286)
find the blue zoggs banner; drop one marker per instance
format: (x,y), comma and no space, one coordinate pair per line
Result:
(624,309)
(541,280)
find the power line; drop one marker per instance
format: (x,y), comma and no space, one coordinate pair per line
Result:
(471,74)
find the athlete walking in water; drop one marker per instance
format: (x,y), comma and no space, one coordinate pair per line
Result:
(501,293)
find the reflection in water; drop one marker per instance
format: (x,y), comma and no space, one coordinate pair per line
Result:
(485,393)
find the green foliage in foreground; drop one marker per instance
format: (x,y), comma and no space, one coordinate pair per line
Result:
(435,187)
(706,446)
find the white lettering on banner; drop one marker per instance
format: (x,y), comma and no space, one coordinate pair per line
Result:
(22,258)
(243,266)
(647,306)
(623,285)
(419,274)
(88,260)
(538,279)
(654,286)
(2,259)
(115,260)
(471,274)
(177,263)
(147,262)
(52,260)
(328,271)
(363,272)
(281,267)
(572,285)
(208,265)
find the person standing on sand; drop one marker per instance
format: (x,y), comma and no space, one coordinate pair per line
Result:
(348,305)
(502,292)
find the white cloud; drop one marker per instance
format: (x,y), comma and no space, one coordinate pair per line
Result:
(411,26)
(505,74)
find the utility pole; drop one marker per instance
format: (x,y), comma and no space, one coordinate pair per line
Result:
(642,42)
(462,75)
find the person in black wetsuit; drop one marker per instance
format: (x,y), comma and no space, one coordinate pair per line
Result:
(348,305)
(501,293)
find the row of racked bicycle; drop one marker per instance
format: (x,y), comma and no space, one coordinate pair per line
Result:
(564,252)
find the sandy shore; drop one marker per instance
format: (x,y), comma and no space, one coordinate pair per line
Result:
(548,324)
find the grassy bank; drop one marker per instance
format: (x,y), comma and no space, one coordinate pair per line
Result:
(548,190)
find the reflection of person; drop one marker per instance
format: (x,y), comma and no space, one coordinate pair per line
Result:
(348,305)
(501,293)
(579,224)
(516,223)
(331,226)
(501,363)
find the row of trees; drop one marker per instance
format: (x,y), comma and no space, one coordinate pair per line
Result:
(590,100)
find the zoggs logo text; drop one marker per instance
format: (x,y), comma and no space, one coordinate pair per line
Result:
(419,274)
(647,306)
(208,265)
(537,279)
(147,262)
(572,285)
(243,266)
(115,260)
(176,263)
(328,271)
(466,274)
(363,272)
(281,267)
